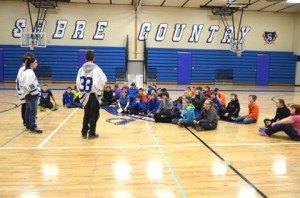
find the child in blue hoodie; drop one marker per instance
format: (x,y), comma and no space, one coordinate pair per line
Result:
(68,99)
(132,92)
(187,114)
(138,107)
(152,105)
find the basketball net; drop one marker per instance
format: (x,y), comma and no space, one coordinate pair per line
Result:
(31,47)
(236,46)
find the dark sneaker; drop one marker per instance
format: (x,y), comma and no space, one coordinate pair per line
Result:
(84,136)
(93,136)
(198,128)
(36,130)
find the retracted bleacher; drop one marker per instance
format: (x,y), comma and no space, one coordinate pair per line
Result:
(224,76)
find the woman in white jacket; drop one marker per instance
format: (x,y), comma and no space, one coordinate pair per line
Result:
(31,92)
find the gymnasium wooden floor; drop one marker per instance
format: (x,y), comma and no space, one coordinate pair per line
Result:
(145,159)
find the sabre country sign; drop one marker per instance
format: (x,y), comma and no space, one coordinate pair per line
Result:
(178,30)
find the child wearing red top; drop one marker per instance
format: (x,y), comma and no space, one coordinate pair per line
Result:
(252,114)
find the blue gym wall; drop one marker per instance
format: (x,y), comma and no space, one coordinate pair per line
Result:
(205,63)
(63,60)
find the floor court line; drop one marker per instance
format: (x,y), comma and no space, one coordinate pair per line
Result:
(167,162)
(24,130)
(145,146)
(266,153)
(230,166)
(59,126)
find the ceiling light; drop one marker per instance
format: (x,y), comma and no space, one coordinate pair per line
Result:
(293,1)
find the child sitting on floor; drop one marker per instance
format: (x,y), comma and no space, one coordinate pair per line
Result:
(45,101)
(281,112)
(75,93)
(207,91)
(252,114)
(132,92)
(152,105)
(187,115)
(138,107)
(208,119)
(117,92)
(221,97)
(164,110)
(144,95)
(233,108)
(198,104)
(68,99)
(217,103)
(123,102)
(108,98)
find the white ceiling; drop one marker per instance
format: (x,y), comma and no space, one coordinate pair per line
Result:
(256,5)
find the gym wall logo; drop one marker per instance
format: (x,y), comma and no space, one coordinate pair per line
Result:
(269,37)
(159,31)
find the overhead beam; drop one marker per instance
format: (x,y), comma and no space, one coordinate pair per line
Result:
(185,3)
(162,4)
(270,5)
(205,5)
(288,7)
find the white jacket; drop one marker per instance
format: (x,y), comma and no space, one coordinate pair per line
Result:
(90,79)
(30,84)
(19,84)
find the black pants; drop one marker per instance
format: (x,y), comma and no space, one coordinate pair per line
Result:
(91,116)
(77,100)
(287,128)
(165,117)
(207,125)
(23,110)
(45,104)
(136,112)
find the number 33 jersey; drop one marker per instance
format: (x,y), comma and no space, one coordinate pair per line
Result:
(90,79)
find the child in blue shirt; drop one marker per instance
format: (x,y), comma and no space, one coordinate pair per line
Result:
(123,102)
(68,99)
(138,107)
(187,114)
(132,92)
(152,105)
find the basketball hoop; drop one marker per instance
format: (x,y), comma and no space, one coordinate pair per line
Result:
(237,46)
(33,40)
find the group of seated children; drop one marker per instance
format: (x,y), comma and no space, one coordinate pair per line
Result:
(196,107)
(71,98)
